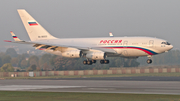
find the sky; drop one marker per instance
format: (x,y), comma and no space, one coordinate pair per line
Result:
(94,18)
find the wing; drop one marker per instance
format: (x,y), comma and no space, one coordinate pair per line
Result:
(57,47)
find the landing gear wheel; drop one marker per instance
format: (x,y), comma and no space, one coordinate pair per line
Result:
(149,61)
(102,61)
(89,62)
(106,61)
(85,62)
(93,61)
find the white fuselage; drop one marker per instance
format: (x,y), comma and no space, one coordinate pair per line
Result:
(124,46)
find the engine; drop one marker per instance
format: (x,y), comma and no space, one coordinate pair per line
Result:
(72,54)
(96,55)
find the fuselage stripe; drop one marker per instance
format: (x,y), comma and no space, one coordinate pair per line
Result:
(150,52)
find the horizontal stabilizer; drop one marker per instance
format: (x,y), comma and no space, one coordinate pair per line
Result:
(15,37)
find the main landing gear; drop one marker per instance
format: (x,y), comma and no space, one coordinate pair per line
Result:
(104,61)
(90,62)
(149,61)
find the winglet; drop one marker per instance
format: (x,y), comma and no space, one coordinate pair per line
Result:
(15,37)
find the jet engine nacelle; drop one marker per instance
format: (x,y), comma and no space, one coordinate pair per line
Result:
(72,54)
(96,55)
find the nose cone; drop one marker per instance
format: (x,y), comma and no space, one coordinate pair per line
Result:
(170,47)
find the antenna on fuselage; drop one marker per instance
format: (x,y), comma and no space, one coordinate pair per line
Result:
(111,35)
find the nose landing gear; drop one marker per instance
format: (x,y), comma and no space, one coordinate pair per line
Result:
(149,61)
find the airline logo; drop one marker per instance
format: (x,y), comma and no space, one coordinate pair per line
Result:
(110,41)
(32,23)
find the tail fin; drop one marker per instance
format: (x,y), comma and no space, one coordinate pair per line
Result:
(33,28)
(15,37)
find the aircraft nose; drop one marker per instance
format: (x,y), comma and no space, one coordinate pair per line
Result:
(170,47)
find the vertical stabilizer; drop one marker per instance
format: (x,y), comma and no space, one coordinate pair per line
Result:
(33,28)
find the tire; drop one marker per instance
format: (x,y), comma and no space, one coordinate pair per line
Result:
(149,61)
(106,61)
(85,62)
(93,61)
(89,62)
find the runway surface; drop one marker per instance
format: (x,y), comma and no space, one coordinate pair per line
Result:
(138,85)
(141,78)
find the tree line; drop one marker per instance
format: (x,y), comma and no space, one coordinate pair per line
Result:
(53,62)
(46,62)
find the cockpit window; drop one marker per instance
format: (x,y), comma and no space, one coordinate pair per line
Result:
(166,43)
(163,43)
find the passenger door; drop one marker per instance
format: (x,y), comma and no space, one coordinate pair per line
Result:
(151,43)
(125,50)
(125,43)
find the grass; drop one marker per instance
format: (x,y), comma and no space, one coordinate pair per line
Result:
(91,76)
(56,96)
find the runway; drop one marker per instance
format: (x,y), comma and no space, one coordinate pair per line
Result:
(141,78)
(103,85)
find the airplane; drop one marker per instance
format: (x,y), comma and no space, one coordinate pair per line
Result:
(91,48)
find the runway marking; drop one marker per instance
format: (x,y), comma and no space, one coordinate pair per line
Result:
(98,89)
(31,87)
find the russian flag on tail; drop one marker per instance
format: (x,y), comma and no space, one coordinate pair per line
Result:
(14,36)
(32,23)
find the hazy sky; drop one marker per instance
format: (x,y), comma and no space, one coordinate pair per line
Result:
(95,18)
